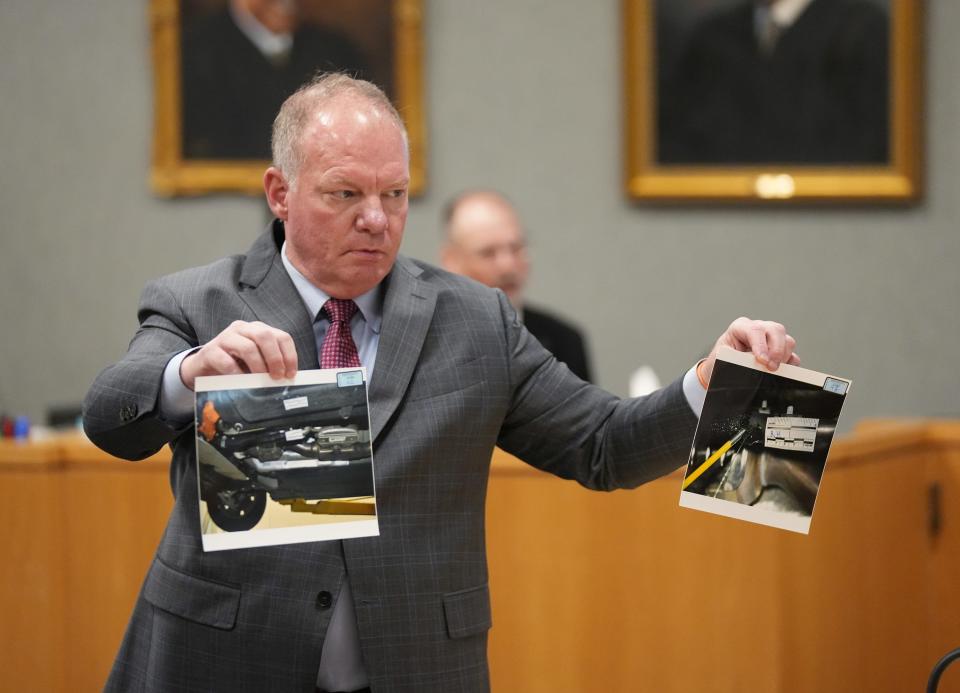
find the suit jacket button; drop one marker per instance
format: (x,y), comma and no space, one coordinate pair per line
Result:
(324,600)
(128,412)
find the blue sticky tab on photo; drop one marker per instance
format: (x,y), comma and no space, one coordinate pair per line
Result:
(836,386)
(348,378)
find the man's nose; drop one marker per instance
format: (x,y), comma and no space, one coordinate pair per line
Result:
(372,218)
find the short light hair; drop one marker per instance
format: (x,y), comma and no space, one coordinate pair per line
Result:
(296,111)
(464,197)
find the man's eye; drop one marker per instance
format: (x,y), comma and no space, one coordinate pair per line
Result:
(396,194)
(343,194)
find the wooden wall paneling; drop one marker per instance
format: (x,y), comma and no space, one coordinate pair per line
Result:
(116,512)
(596,591)
(943,470)
(32,581)
(591,591)
(855,587)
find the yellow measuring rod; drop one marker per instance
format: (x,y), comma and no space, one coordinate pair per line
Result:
(721,451)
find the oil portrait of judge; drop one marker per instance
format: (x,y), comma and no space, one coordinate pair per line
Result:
(242,58)
(773,81)
(787,86)
(224,67)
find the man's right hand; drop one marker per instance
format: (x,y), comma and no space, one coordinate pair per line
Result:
(244,347)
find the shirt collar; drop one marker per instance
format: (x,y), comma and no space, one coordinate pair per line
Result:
(270,44)
(785,12)
(370,303)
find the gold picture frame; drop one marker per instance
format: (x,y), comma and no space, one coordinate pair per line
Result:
(173,174)
(897,179)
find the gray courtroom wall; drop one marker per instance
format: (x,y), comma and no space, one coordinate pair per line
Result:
(523,96)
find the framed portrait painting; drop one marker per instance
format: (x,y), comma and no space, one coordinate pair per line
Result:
(772,100)
(222,68)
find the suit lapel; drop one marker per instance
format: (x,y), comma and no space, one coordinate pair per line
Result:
(267,289)
(408,306)
(407,312)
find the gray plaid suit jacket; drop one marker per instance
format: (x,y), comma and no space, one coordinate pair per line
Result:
(456,374)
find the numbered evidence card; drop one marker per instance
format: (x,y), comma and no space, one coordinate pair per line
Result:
(284,461)
(762,442)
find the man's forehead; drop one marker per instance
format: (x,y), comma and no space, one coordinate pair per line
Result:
(359,143)
(480,222)
(349,170)
(343,115)
(332,119)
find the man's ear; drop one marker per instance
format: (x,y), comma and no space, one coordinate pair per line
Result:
(276,187)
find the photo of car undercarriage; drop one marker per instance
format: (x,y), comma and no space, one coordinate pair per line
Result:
(292,443)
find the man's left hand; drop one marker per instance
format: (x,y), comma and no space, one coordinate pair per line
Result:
(768,341)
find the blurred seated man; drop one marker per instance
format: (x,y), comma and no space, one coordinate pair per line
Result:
(484,240)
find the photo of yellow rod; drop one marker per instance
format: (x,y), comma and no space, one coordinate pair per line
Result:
(710,461)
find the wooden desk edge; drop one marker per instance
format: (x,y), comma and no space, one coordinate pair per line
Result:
(71,451)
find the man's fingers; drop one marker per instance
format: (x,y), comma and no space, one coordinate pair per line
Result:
(768,341)
(756,339)
(219,362)
(245,350)
(789,355)
(277,349)
(776,343)
(737,335)
(261,348)
(264,341)
(209,360)
(289,353)
(272,356)
(249,347)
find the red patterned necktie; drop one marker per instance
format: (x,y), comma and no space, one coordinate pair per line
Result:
(338,349)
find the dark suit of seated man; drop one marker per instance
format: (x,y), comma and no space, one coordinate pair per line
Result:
(454,373)
(484,240)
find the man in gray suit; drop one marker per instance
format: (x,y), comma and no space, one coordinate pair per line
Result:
(453,374)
